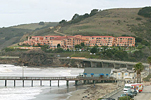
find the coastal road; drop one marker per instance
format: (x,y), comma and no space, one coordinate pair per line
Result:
(145,95)
(117,95)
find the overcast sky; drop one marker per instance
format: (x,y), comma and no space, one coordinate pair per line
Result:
(15,12)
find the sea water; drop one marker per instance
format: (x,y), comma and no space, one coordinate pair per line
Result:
(37,92)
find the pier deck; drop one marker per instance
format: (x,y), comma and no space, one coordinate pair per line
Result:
(67,79)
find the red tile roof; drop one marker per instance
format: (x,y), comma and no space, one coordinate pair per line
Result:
(125,37)
(102,36)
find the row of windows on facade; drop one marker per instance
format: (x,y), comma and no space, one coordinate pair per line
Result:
(93,44)
(53,41)
(120,74)
(97,44)
(92,38)
(123,44)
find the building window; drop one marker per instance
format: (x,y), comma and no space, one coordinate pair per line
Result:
(119,74)
(126,74)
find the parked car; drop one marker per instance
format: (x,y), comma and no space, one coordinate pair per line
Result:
(132,91)
(68,57)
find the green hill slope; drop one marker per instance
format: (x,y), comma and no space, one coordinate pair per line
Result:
(114,22)
(34,26)
(15,34)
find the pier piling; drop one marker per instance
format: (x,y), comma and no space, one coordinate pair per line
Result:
(14,83)
(50,82)
(83,80)
(40,82)
(58,83)
(23,83)
(5,83)
(31,83)
(67,83)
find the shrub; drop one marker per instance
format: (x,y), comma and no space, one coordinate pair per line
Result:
(146,12)
(138,18)
(41,23)
(125,98)
(8,49)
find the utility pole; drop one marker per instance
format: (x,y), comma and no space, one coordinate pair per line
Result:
(22,71)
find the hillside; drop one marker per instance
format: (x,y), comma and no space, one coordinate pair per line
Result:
(114,22)
(15,34)
(36,26)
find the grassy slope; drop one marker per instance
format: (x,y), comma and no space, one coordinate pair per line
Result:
(108,22)
(15,34)
(34,26)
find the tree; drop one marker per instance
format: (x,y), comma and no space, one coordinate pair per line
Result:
(38,44)
(58,50)
(146,12)
(44,47)
(78,46)
(63,22)
(138,69)
(121,55)
(149,61)
(41,23)
(94,49)
(82,44)
(86,15)
(75,16)
(93,12)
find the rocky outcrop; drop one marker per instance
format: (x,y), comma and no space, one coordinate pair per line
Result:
(37,58)
(9,61)
(40,58)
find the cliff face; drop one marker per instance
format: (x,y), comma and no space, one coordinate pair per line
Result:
(36,58)
(9,61)
(39,58)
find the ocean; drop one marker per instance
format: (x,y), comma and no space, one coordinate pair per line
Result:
(37,92)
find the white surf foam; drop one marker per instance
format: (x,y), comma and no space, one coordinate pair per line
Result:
(26,93)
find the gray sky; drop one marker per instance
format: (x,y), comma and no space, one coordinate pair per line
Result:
(15,12)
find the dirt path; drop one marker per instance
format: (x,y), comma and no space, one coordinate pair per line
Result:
(56,31)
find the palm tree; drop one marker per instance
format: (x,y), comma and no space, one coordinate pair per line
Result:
(149,61)
(138,69)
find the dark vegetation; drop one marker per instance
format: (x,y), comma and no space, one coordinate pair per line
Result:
(77,18)
(146,12)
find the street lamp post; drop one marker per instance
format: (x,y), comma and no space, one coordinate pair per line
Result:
(22,71)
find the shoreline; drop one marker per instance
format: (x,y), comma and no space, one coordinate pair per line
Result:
(92,92)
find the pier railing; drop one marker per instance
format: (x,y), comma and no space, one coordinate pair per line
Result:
(32,78)
(85,80)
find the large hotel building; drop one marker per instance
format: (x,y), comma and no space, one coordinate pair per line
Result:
(70,41)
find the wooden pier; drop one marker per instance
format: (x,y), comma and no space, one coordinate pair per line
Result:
(84,80)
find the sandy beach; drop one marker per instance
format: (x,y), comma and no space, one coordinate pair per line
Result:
(93,92)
